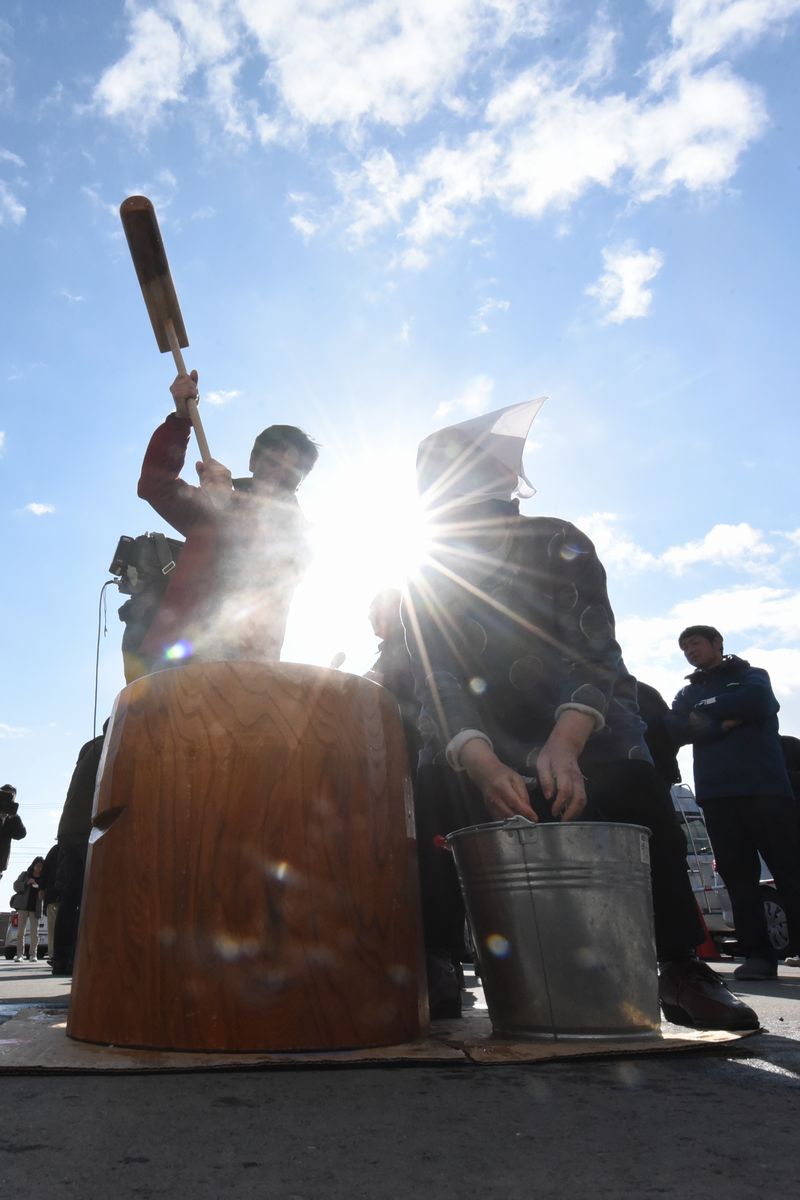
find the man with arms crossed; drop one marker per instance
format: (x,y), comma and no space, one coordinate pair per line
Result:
(728,712)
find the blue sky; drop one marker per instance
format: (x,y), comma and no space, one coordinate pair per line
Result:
(382,217)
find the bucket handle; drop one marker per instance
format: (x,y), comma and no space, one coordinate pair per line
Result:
(522,826)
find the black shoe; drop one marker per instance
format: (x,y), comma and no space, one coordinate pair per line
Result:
(694,995)
(444,991)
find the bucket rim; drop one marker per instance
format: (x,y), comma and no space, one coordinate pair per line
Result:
(519,822)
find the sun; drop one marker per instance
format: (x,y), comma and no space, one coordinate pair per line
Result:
(368,532)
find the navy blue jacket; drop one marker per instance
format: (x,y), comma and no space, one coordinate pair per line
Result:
(746,760)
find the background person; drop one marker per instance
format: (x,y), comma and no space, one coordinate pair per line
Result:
(729,714)
(11,827)
(654,711)
(27,900)
(73,845)
(50,896)
(392,667)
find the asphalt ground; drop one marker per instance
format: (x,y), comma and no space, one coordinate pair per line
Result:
(700,1124)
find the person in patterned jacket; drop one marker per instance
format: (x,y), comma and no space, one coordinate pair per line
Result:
(527,705)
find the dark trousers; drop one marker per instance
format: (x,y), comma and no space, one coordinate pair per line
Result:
(628,792)
(741,828)
(72,849)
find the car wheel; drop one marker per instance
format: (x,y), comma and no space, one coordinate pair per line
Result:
(777,925)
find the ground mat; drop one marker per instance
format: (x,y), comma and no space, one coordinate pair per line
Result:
(35,1041)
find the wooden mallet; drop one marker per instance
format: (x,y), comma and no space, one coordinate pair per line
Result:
(150,260)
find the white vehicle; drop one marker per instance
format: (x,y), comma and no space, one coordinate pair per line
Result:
(710,892)
(777,924)
(11,937)
(708,888)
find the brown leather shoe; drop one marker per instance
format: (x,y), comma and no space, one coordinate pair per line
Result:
(692,994)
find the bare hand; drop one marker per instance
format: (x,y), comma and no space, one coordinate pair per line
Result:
(506,795)
(560,776)
(561,781)
(183,388)
(503,789)
(215,478)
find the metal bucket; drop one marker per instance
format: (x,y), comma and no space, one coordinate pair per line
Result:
(562,920)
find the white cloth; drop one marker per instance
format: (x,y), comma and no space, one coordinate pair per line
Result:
(478,459)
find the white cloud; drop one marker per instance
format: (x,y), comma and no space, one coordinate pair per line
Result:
(226,101)
(11,209)
(773,610)
(379,194)
(621,288)
(476,398)
(303,220)
(111,210)
(615,548)
(9,156)
(480,319)
(13,731)
(782,664)
(405,331)
(2,441)
(548,135)
(704,29)
(73,299)
(150,75)
(6,79)
(329,62)
(412,259)
(732,545)
(270,131)
(209,26)
(22,372)
(601,52)
(221,397)
(304,226)
(737,547)
(39,510)
(379,60)
(545,143)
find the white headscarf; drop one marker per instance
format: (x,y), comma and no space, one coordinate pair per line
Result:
(452,464)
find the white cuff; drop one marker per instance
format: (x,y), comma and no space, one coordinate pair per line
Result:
(599,719)
(456,745)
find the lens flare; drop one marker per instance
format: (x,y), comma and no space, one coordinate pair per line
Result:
(497,945)
(281,872)
(178,651)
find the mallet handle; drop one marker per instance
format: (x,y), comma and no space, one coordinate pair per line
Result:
(191,405)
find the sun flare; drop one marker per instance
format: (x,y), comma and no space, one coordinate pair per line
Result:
(369,532)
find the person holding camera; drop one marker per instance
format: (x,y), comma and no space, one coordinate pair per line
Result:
(11,827)
(27,900)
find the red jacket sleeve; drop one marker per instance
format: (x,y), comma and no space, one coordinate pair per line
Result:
(176,501)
